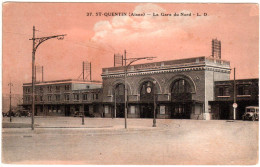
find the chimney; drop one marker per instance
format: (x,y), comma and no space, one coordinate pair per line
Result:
(216,49)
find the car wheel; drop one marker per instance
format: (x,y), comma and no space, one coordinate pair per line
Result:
(253,118)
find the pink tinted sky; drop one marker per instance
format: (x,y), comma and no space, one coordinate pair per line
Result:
(96,39)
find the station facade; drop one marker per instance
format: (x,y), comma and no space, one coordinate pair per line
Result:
(194,88)
(178,88)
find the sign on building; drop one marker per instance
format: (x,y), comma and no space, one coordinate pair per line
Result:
(162,110)
(106,109)
(132,109)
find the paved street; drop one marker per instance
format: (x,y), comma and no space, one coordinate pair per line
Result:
(63,140)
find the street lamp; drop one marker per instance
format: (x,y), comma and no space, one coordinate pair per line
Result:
(10,112)
(36,43)
(114,106)
(131,60)
(83,114)
(154,103)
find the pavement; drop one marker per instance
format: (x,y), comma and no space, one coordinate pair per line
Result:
(105,141)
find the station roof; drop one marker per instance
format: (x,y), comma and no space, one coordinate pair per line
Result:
(65,81)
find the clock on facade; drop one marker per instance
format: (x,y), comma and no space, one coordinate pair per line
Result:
(148,89)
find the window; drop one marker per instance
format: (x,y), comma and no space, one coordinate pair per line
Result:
(41,98)
(67,97)
(181,86)
(35,98)
(27,98)
(95,96)
(243,90)
(27,90)
(85,96)
(220,91)
(49,97)
(49,88)
(67,87)
(57,97)
(120,89)
(226,91)
(223,91)
(57,88)
(76,96)
(41,89)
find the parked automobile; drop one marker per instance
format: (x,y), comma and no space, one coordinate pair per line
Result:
(8,114)
(21,113)
(78,114)
(17,114)
(89,115)
(4,114)
(251,113)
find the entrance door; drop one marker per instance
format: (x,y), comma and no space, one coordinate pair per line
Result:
(146,111)
(67,111)
(86,110)
(120,110)
(181,111)
(224,111)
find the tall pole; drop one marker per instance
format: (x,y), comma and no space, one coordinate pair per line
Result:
(115,104)
(114,60)
(125,94)
(35,72)
(36,43)
(42,73)
(122,60)
(90,71)
(154,103)
(235,98)
(10,111)
(83,70)
(33,79)
(83,115)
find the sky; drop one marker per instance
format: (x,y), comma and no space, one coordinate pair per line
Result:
(97,38)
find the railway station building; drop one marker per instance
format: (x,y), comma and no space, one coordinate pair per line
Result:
(181,88)
(190,88)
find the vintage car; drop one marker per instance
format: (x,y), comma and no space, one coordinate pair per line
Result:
(78,114)
(24,113)
(252,113)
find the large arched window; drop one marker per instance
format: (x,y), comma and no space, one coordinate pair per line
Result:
(120,89)
(181,86)
(120,93)
(181,90)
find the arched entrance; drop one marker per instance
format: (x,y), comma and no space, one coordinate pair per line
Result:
(147,95)
(181,99)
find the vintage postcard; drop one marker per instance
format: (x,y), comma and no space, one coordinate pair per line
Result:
(130,83)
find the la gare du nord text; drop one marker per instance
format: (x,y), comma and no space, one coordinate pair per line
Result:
(108,14)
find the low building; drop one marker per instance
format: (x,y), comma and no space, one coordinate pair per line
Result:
(64,97)
(246,93)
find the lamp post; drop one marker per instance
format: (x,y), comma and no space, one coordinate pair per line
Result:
(36,43)
(83,116)
(154,103)
(131,60)
(235,95)
(10,112)
(115,103)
